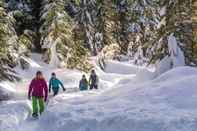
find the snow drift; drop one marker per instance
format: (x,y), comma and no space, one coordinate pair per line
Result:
(129,99)
(6,91)
(168,103)
(12,114)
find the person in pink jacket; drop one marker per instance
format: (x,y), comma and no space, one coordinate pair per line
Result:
(38,92)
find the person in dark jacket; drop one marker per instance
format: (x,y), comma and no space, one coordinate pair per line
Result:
(93,80)
(38,92)
(83,84)
(55,84)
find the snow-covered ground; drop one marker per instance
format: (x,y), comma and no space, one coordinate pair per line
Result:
(130,98)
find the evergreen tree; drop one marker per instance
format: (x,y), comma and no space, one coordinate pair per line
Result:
(194,28)
(68,31)
(58,39)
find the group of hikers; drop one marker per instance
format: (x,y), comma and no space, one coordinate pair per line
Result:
(38,89)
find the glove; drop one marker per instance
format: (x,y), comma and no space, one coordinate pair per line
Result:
(64,89)
(29,97)
(49,90)
(45,99)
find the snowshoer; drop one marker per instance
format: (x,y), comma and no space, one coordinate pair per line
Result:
(93,80)
(83,84)
(55,84)
(38,93)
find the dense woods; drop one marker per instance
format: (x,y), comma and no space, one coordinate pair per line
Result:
(68,32)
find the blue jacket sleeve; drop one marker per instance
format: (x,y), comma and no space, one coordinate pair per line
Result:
(61,84)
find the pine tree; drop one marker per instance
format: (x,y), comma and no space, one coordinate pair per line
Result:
(86,19)
(9,46)
(177,20)
(194,28)
(58,37)
(106,21)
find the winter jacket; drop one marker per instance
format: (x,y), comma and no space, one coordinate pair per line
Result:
(93,79)
(38,88)
(83,85)
(54,83)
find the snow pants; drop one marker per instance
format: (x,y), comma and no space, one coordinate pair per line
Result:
(37,104)
(93,86)
(55,90)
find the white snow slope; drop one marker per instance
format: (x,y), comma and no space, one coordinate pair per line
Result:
(129,99)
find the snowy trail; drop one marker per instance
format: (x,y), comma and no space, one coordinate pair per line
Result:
(107,82)
(70,79)
(129,99)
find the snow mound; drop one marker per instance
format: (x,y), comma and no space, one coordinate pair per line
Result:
(12,114)
(167,103)
(120,68)
(176,73)
(144,75)
(6,91)
(129,99)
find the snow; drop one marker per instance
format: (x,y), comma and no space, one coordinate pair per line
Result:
(130,98)
(6,91)
(12,113)
(155,106)
(89,17)
(119,68)
(139,57)
(161,23)
(162,11)
(54,61)
(164,65)
(175,59)
(177,55)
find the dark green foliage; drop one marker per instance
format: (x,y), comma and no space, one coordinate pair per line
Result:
(129,25)
(59,28)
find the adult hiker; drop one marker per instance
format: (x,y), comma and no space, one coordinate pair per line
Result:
(83,84)
(38,93)
(55,84)
(93,80)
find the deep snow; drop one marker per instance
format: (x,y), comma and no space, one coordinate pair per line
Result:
(130,98)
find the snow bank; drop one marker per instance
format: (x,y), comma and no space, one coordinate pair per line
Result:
(120,68)
(130,99)
(144,75)
(129,71)
(167,103)
(12,114)
(6,91)
(177,73)
(178,87)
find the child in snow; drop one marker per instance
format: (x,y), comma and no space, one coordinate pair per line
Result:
(93,80)
(83,84)
(55,84)
(38,92)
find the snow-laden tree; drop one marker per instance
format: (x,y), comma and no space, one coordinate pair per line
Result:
(107,21)
(194,28)
(153,22)
(58,38)
(175,17)
(70,30)
(10,49)
(122,22)
(86,20)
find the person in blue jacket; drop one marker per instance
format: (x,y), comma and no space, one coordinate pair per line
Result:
(55,84)
(93,80)
(83,84)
